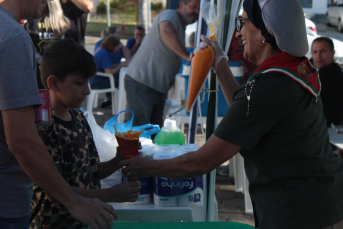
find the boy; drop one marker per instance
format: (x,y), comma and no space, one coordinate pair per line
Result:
(66,68)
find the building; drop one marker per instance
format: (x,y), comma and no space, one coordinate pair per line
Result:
(315,8)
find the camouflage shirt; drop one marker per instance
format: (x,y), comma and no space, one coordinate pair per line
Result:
(73,150)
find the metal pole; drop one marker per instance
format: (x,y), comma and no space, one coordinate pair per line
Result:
(108,12)
(149,14)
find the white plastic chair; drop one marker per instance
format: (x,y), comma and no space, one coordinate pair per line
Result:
(92,100)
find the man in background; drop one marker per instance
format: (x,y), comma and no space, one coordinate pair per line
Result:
(152,72)
(331,77)
(134,42)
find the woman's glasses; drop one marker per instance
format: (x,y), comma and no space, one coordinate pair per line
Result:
(239,23)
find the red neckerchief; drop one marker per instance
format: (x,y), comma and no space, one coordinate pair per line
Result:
(297,68)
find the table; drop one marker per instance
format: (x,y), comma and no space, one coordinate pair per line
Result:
(336,139)
(180,225)
(121,99)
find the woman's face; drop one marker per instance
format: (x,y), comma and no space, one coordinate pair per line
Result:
(115,48)
(252,40)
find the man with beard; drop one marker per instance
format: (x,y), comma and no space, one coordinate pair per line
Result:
(152,72)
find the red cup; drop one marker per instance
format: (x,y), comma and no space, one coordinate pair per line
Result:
(128,148)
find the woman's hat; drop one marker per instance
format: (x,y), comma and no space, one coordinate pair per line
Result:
(282,23)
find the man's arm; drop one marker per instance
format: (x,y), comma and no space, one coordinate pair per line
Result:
(171,39)
(134,48)
(24,142)
(117,68)
(211,155)
(126,52)
(84,5)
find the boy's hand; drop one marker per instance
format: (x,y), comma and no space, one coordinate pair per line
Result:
(118,156)
(125,192)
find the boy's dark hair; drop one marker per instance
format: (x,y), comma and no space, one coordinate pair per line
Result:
(110,42)
(327,40)
(64,57)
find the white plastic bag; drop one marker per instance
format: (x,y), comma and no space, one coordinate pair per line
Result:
(106,144)
(209,12)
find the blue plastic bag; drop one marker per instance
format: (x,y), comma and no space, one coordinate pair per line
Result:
(149,129)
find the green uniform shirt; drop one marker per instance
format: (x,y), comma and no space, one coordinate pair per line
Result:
(295,180)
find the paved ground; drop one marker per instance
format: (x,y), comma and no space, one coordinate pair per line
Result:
(330,31)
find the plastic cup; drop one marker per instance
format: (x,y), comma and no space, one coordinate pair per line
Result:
(128,148)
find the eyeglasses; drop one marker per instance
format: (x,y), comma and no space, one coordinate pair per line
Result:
(239,23)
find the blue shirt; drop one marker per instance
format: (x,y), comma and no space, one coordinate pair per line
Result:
(184,62)
(102,60)
(115,57)
(130,43)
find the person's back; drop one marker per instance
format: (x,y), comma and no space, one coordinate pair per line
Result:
(155,65)
(53,25)
(78,14)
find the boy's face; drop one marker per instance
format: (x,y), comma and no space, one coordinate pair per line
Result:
(73,90)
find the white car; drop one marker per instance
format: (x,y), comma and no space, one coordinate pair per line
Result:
(334,15)
(311,28)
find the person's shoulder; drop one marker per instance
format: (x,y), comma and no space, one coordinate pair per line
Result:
(99,41)
(168,14)
(101,51)
(79,116)
(11,30)
(276,82)
(190,49)
(131,40)
(168,11)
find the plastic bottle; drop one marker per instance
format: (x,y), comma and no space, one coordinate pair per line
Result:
(169,134)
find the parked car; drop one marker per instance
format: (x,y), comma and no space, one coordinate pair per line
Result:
(311,28)
(334,15)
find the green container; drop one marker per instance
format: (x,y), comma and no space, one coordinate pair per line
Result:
(169,134)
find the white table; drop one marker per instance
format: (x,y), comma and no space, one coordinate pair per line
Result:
(336,139)
(121,99)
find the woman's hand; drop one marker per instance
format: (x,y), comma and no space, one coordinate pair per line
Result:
(218,51)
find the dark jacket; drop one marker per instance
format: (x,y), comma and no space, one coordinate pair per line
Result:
(331,77)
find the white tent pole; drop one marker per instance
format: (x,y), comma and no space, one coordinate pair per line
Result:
(149,14)
(234,10)
(108,12)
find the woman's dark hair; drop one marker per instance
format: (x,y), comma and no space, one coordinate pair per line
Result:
(64,57)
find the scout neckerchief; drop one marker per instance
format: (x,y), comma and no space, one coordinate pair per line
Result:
(297,68)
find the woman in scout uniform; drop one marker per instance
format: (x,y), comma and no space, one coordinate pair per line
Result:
(275,121)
